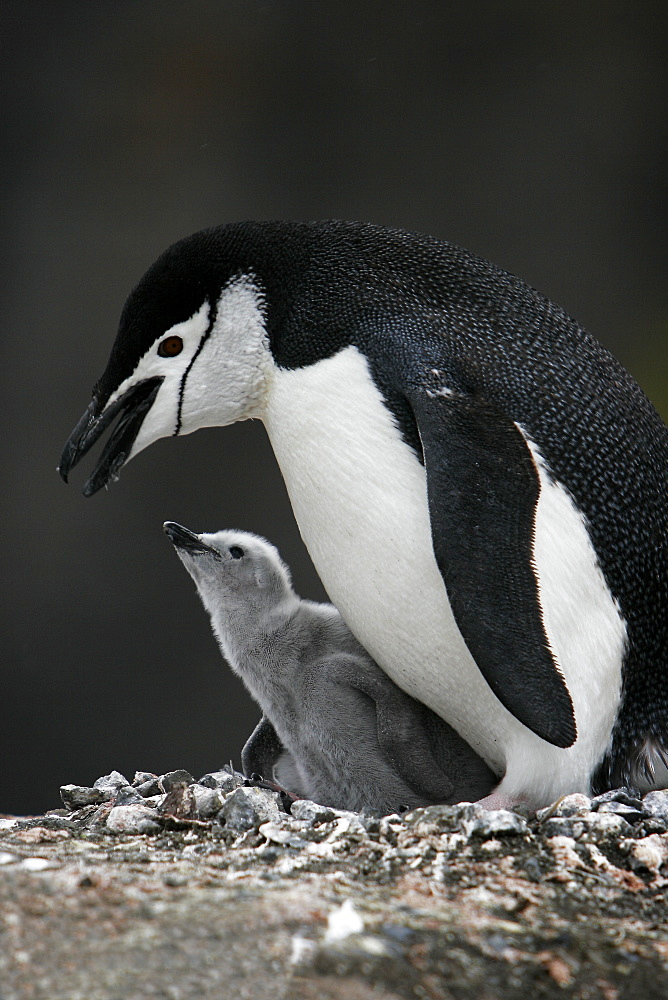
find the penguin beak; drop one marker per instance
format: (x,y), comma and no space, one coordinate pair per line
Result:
(183,538)
(133,406)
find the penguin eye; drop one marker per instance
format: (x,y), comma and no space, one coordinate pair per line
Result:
(170,347)
(236,552)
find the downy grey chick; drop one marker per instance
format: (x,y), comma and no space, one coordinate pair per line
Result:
(335,728)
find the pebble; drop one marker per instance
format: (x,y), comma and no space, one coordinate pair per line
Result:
(41,835)
(178,803)
(173,778)
(248,808)
(154,801)
(280,835)
(563,826)
(441,819)
(624,795)
(224,781)
(303,950)
(599,824)
(141,777)
(389,828)
(133,819)
(628,812)
(569,805)
(111,782)
(648,853)
(8,822)
(208,801)
(77,796)
(607,824)
(565,855)
(147,789)
(311,811)
(494,823)
(127,796)
(656,804)
(343,921)
(37,864)
(348,824)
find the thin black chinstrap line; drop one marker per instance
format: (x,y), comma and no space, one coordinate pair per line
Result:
(205,337)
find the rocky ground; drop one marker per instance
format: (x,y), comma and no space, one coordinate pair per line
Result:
(171,888)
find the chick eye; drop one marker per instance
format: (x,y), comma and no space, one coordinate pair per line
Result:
(236,552)
(170,347)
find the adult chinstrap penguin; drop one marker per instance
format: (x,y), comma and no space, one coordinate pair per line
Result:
(335,729)
(481,486)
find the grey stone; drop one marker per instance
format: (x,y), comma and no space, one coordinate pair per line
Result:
(348,824)
(605,824)
(154,801)
(208,801)
(133,819)
(111,782)
(649,854)
(494,823)
(575,804)
(630,813)
(441,817)
(224,780)
(655,804)
(247,808)
(596,824)
(149,787)
(277,834)
(370,822)
(127,796)
(564,826)
(625,795)
(78,796)
(172,778)
(59,820)
(389,828)
(141,777)
(311,811)
(179,802)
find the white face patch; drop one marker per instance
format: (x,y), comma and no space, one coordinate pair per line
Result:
(214,380)
(161,419)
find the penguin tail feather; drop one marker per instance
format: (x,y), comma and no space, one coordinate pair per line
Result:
(642,768)
(650,764)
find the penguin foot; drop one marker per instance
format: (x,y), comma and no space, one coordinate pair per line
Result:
(499,801)
(257,781)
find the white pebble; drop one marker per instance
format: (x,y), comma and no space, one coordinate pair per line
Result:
(36,864)
(343,921)
(303,950)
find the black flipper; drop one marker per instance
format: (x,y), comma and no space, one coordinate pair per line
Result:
(261,750)
(483,488)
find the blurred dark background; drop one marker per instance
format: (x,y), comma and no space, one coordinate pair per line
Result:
(531,133)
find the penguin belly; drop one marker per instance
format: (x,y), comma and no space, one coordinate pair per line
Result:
(359,496)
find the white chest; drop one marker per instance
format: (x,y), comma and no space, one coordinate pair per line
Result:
(359,497)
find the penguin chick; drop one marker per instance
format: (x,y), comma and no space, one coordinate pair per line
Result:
(335,728)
